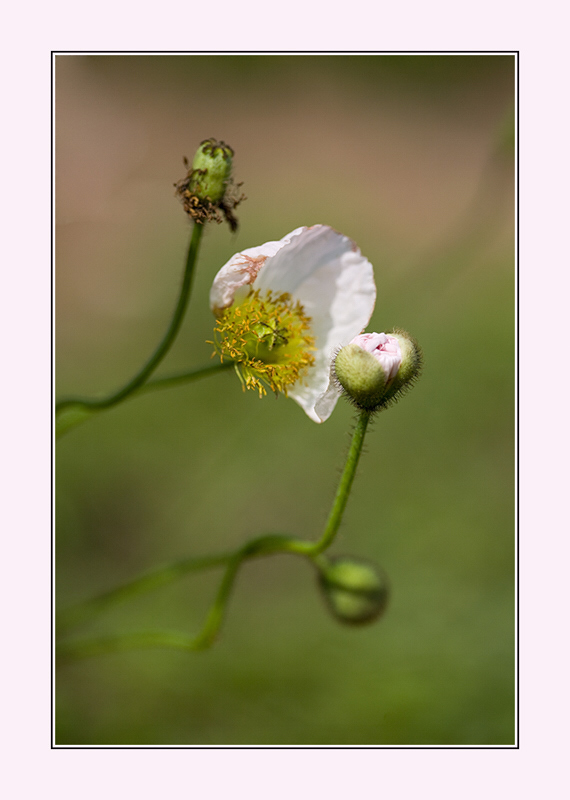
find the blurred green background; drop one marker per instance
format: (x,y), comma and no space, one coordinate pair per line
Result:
(412,157)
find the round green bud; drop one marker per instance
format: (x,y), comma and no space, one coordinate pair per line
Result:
(211,170)
(375,368)
(356,592)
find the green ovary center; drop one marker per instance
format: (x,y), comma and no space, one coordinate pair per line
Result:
(269,339)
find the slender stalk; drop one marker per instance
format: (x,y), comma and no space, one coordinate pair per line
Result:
(180,378)
(83,648)
(85,612)
(98,404)
(261,546)
(71,416)
(344,486)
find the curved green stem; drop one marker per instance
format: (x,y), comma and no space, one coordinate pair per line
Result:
(72,415)
(103,645)
(344,487)
(84,612)
(261,546)
(180,378)
(87,405)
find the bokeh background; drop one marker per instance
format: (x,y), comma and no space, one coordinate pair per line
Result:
(412,157)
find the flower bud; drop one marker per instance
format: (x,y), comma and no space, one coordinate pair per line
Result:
(212,167)
(375,368)
(356,592)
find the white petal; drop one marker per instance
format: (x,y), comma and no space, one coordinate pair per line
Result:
(325,404)
(334,282)
(242,269)
(327,273)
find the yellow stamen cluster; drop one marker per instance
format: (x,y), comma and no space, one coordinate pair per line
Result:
(268,339)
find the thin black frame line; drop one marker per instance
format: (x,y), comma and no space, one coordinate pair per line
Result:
(52,397)
(287,52)
(517,399)
(286,747)
(516,745)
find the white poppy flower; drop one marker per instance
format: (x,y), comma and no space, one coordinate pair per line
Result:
(283,309)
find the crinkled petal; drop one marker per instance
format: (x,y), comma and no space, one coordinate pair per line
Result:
(370,341)
(241,270)
(328,274)
(385,349)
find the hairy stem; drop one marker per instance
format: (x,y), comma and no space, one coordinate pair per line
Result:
(344,487)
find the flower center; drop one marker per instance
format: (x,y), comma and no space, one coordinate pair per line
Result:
(268,338)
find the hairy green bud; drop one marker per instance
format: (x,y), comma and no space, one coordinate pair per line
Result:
(374,369)
(360,375)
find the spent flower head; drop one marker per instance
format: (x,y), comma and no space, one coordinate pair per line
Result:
(283,308)
(208,191)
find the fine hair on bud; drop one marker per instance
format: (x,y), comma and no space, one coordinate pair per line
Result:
(375,369)
(356,592)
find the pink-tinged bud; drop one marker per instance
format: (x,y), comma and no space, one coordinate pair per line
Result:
(385,349)
(356,592)
(375,368)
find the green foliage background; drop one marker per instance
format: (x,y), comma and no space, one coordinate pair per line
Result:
(412,157)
